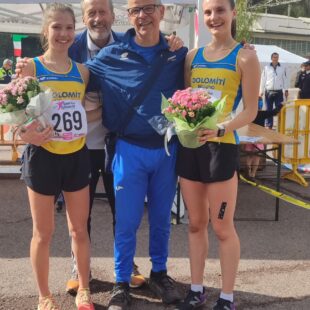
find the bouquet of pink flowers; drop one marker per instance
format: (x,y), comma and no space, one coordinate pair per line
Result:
(23,100)
(192,109)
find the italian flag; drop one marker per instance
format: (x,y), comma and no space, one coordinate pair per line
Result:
(17,43)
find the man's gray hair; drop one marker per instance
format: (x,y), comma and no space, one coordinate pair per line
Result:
(7,61)
(109,1)
(157,2)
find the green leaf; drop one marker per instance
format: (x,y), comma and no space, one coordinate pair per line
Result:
(9,108)
(164,104)
(30,94)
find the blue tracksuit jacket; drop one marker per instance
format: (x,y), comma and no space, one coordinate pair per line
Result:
(119,89)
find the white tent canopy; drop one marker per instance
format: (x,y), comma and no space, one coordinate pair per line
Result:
(24,16)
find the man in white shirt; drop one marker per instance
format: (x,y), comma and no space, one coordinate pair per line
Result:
(274,81)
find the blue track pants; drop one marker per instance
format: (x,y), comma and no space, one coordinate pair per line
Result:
(138,173)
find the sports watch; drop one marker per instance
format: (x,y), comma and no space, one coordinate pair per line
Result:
(221,130)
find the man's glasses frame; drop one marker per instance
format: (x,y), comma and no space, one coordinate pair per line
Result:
(147,9)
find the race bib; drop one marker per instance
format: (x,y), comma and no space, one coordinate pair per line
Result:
(68,118)
(215,94)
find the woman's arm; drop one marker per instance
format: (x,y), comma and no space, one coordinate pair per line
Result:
(33,133)
(85,73)
(92,115)
(250,79)
(187,67)
(85,76)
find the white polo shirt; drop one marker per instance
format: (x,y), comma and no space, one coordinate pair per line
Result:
(96,131)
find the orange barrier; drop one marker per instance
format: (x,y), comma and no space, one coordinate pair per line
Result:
(7,138)
(295,122)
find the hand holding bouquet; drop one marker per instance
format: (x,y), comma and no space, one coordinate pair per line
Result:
(190,110)
(22,101)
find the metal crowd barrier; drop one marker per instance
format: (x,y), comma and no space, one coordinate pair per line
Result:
(295,122)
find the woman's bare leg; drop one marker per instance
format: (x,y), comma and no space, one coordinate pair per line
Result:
(194,194)
(77,204)
(222,199)
(42,212)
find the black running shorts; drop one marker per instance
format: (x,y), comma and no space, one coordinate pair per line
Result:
(49,174)
(212,162)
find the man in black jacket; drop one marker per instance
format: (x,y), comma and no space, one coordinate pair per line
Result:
(300,75)
(304,84)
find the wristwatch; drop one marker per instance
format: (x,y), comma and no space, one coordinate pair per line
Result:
(221,130)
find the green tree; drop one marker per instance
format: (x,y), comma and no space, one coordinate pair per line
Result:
(297,9)
(245,21)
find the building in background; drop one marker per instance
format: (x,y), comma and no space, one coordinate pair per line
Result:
(289,33)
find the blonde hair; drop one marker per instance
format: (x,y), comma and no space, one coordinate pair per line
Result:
(48,15)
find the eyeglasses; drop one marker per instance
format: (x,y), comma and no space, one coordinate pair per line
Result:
(148,10)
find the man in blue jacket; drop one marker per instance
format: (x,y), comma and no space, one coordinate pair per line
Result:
(98,17)
(141,166)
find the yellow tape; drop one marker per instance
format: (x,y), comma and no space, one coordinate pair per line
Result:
(277,194)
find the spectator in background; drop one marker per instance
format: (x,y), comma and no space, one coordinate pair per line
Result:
(274,80)
(300,74)
(6,71)
(304,83)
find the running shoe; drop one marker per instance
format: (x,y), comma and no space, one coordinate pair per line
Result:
(137,279)
(223,304)
(72,285)
(164,287)
(193,300)
(120,297)
(83,300)
(47,303)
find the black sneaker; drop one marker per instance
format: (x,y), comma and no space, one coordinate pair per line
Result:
(164,287)
(120,299)
(193,300)
(223,304)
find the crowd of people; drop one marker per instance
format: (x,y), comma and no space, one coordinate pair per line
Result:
(107,90)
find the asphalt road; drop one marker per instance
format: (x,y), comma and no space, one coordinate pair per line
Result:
(274,270)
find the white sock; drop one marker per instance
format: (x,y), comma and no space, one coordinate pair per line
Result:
(229,297)
(197,288)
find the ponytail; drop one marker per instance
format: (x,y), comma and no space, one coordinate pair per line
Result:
(234,22)
(234,28)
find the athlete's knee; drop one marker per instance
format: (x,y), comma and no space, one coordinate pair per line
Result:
(223,231)
(197,225)
(79,233)
(43,236)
